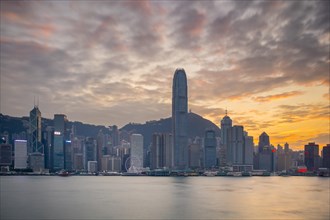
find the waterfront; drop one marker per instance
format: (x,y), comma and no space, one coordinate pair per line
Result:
(109,197)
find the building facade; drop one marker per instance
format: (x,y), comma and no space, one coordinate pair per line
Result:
(266,154)
(194,156)
(236,145)
(248,150)
(263,141)
(326,156)
(210,144)
(136,162)
(21,155)
(5,155)
(89,151)
(226,125)
(312,157)
(92,166)
(161,152)
(36,161)
(60,125)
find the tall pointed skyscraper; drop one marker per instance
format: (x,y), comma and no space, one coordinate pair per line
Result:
(179,119)
(35,144)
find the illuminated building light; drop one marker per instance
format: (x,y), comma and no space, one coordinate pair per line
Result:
(21,141)
(302,169)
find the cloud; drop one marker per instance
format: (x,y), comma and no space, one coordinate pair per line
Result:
(104,27)
(189,29)
(302,112)
(116,60)
(326,96)
(255,49)
(277,96)
(321,139)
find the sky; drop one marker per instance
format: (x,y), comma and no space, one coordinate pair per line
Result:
(112,62)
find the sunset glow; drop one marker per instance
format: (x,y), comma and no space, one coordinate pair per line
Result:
(112,62)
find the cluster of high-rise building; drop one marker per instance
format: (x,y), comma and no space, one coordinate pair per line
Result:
(58,147)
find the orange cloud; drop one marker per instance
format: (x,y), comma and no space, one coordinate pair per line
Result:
(11,16)
(44,30)
(277,96)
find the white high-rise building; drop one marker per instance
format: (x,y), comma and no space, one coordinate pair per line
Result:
(136,163)
(21,157)
(92,166)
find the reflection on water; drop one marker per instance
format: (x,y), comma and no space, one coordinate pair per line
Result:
(81,197)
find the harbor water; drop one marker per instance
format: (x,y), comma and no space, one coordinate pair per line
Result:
(124,197)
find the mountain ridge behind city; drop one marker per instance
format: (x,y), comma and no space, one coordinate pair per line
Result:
(196,126)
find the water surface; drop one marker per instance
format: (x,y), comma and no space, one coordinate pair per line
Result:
(109,197)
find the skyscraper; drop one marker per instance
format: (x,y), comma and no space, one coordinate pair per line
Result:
(194,155)
(161,151)
(136,152)
(326,156)
(210,144)
(115,135)
(90,151)
(5,154)
(48,146)
(21,158)
(226,124)
(312,156)
(35,144)
(179,119)
(266,155)
(263,141)
(236,145)
(100,145)
(248,149)
(60,122)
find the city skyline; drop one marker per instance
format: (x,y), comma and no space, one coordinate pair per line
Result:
(265,61)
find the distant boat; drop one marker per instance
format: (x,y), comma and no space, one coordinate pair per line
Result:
(284,173)
(111,174)
(63,173)
(131,174)
(210,173)
(246,173)
(221,173)
(235,174)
